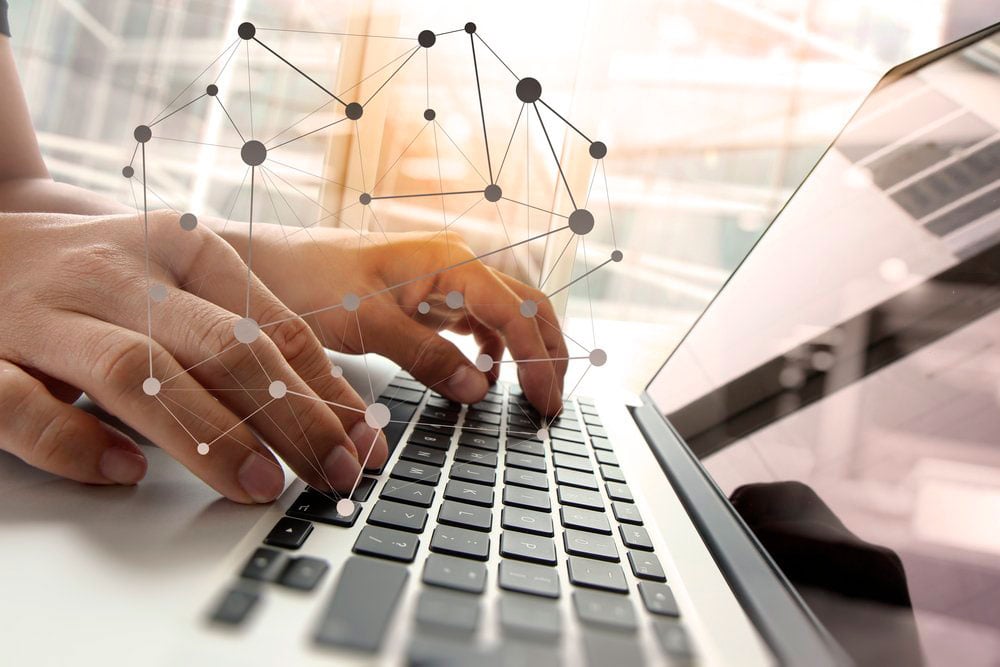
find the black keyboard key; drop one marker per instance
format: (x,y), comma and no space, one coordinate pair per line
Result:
(487,406)
(532,548)
(525,461)
(460,542)
(646,566)
(434,440)
(462,515)
(264,565)
(597,431)
(473,455)
(605,457)
(466,492)
(531,618)
(658,598)
(434,426)
(522,423)
(595,574)
(304,573)
(421,454)
(400,395)
(618,491)
(527,521)
(312,506)
(399,414)
(470,472)
(479,441)
(565,434)
(583,480)
(439,415)
(416,472)
(571,462)
(531,499)
(407,383)
(407,492)
(235,606)
(448,611)
(364,489)
(529,578)
(635,537)
(613,611)
(289,533)
(589,520)
(571,448)
(592,420)
(440,402)
(566,421)
(602,444)
(532,480)
(389,514)
(522,446)
(362,604)
(612,474)
(590,500)
(626,512)
(590,545)
(483,416)
(387,543)
(459,574)
(481,428)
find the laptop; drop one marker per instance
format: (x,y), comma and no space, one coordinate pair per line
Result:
(812,477)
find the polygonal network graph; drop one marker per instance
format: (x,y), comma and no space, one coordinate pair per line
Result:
(254,153)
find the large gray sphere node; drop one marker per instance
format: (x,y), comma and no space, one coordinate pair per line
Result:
(528,90)
(142,134)
(354,111)
(253,153)
(581,221)
(492,192)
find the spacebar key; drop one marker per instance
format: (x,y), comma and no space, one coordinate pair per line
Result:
(362,604)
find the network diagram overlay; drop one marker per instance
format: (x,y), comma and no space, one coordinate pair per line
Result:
(255,154)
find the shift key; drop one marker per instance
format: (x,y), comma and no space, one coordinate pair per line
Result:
(362,604)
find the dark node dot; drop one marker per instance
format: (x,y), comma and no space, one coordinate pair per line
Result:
(581,221)
(246,30)
(429,114)
(493,192)
(528,90)
(426,38)
(212,89)
(470,27)
(253,153)
(617,256)
(354,110)
(143,134)
(128,172)
(365,199)
(598,150)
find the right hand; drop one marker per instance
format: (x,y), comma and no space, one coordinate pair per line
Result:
(73,317)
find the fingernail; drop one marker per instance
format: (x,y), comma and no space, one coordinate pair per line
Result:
(122,466)
(468,385)
(261,479)
(342,469)
(364,439)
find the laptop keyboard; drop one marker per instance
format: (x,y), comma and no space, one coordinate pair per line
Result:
(488,464)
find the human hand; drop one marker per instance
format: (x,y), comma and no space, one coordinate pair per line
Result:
(73,297)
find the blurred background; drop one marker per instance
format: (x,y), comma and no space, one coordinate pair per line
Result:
(712,110)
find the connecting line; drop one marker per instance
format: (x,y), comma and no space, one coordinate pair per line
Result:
(179,422)
(234,43)
(400,156)
(554,156)
(429,194)
(203,361)
(145,233)
(340,34)
(231,121)
(571,125)
(555,263)
(308,78)
(306,173)
(529,361)
(240,422)
(607,195)
(401,65)
(363,465)
(321,400)
(301,136)
(253,174)
(134,152)
(178,109)
(543,210)
(510,141)
(300,120)
(482,113)
(497,57)
(581,277)
(250,92)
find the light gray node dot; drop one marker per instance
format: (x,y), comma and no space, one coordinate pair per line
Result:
(337,371)
(128,171)
(365,199)
(354,111)
(529,308)
(253,153)
(277,389)
(203,448)
(188,221)
(581,221)
(543,434)
(151,386)
(492,192)
(142,134)
(454,299)
(377,415)
(484,362)
(423,307)
(351,302)
(598,357)
(158,293)
(345,506)
(246,330)
(617,256)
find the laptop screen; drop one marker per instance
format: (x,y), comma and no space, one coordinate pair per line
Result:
(843,389)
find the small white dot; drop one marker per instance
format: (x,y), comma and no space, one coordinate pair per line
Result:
(423,307)
(351,302)
(345,507)
(377,415)
(277,389)
(246,330)
(529,308)
(484,362)
(203,448)
(454,299)
(151,386)
(158,293)
(598,357)
(337,372)
(543,434)
(894,270)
